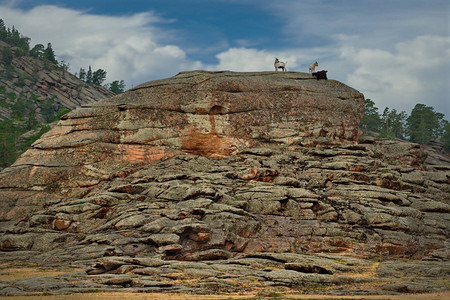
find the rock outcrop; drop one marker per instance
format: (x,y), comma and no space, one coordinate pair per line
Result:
(212,114)
(226,182)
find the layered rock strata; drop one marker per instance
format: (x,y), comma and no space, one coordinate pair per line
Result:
(212,114)
(155,209)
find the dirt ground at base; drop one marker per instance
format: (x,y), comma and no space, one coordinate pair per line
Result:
(11,272)
(140,296)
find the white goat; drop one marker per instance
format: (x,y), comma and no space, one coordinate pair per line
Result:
(312,67)
(279,65)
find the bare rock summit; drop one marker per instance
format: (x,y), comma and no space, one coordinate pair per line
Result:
(212,114)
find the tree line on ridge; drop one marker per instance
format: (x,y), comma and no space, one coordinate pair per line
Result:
(422,126)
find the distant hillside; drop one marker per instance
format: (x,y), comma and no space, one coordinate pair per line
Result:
(34,92)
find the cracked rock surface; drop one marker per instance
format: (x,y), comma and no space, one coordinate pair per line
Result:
(123,195)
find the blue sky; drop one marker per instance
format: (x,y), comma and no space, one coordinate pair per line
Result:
(396,52)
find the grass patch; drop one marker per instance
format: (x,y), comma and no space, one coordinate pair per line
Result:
(78,203)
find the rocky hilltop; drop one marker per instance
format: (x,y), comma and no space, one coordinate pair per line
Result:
(34,92)
(33,79)
(225,182)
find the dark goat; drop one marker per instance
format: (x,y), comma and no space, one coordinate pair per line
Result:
(320,75)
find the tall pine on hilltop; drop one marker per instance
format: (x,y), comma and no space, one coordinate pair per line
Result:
(371,120)
(49,54)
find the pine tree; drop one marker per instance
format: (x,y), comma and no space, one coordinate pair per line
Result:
(49,55)
(38,51)
(18,40)
(7,56)
(398,123)
(117,87)
(393,124)
(89,75)
(32,122)
(424,124)
(64,66)
(371,120)
(98,77)
(82,74)
(446,137)
(3,31)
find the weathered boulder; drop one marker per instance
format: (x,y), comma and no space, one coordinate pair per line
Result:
(213,114)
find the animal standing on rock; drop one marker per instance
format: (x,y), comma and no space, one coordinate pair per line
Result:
(313,66)
(320,75)
(279,65)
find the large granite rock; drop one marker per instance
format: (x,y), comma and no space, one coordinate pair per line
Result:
(211,178)
(213,114)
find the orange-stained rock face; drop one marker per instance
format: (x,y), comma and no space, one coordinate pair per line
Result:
(140,153)
(212,114)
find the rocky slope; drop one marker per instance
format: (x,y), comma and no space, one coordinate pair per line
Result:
(31,78)
(223,182)
(34,93)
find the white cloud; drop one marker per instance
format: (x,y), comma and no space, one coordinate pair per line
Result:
(128,47)
(244,60)
(417,71)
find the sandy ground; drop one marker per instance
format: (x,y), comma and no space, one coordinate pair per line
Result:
(11,272)
(24,273)
(136,296)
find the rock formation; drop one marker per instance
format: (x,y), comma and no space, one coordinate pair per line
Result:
(203,113)
(225,182)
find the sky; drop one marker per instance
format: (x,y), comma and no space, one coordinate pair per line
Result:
(396,52)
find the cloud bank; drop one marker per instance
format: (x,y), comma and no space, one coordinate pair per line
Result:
(127,47)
